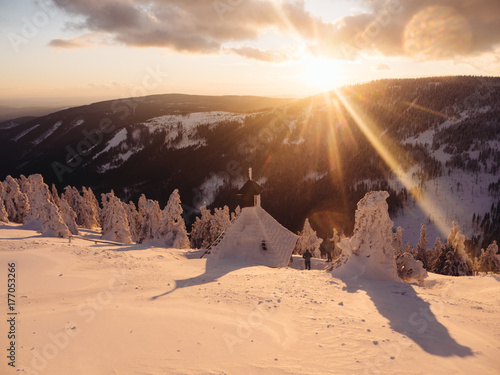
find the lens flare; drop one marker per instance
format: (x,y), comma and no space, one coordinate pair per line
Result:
(437,32)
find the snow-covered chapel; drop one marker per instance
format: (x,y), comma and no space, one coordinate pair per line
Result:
(254,235)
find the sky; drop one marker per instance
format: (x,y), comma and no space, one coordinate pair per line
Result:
(69,52)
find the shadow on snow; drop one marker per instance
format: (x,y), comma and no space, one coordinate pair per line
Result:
(409,315)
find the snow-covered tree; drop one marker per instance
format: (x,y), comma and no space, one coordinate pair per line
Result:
(38,194)
(68,216)
(453,260)
(219,222)
(370,251)
(133,220)
(421,253)
(16,202)
(398,241)
(149,219)
(201,237)
(89,210)
(172,228)
(52,223)
(236,212)
(308,240)
(24,184)
(114,219)
(489,260)
(55,195)
(75,201)
(4,216)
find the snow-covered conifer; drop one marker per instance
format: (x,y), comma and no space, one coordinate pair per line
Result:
(24,184)
(52,223)
(55,195)
(149,219)
(68,216)
(398,241)
(219,222)
(200,231)
(236,212)
(16,202)
(4,217)
(75,201)
(172,228)
(133,220)
(89,210)
(38,194)
(370,251)
(114,219)
(489,260)
(308,240)
(421,253)
(453,260)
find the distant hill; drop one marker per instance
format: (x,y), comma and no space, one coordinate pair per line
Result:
(315,157)
(9,113)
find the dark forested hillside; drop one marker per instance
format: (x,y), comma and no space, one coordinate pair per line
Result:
(315,157)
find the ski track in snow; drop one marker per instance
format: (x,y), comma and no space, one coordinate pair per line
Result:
(22,134)
(140,309)
(48,133)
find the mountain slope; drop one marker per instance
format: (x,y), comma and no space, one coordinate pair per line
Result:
(433,143)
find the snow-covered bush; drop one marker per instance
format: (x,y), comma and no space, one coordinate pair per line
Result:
(308,240)
(370,251)
(409,269)
(172,228)
(452,259)
(149,219)
(114,219)
(489,260)
(16,202)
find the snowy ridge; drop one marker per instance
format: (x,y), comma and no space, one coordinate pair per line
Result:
(181,129)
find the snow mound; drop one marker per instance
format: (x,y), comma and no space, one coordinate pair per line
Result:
(369,253)
(411,270)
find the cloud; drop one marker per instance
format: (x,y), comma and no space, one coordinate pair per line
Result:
(381,67)
(66,43)
(258,54)
(430,29)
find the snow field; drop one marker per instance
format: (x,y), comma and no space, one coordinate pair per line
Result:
(98,309)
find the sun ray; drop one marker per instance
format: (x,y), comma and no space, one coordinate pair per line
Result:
(371,132)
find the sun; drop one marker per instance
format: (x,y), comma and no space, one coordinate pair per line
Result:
(322,73)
